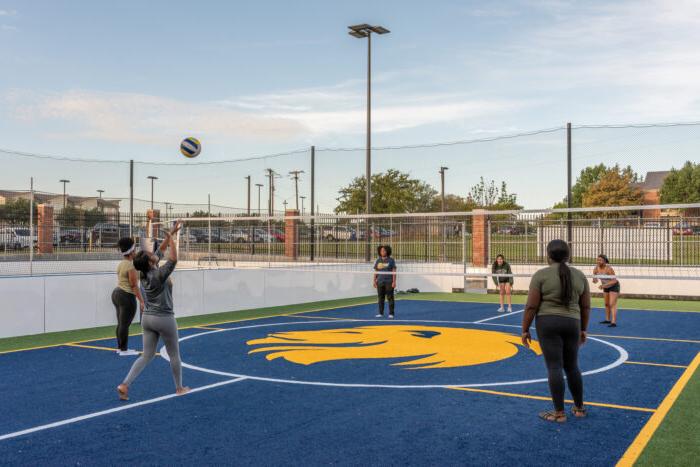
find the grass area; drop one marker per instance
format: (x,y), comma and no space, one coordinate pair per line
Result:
(677,436)
(104,332)
(624,303)
(676,441)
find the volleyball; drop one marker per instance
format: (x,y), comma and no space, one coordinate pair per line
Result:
(190,147)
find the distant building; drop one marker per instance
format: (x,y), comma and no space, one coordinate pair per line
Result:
(651,192)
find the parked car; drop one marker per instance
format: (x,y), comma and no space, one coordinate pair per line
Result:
(9,239)
(682,228)
(104,234)
(511,230)
(335,232)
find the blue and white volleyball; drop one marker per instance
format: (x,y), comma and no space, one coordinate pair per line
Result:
(190,147)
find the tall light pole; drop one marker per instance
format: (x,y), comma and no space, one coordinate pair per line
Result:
(259,185)
(152,179)
(361,31)
(99,203)
(302,204)
(295,177)
(270,190)
(248,210)
(65,182)
(442,187)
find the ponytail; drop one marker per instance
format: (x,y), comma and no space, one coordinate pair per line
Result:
(558,252)
(565,283)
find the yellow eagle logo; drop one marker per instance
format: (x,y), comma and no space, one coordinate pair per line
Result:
(436,347)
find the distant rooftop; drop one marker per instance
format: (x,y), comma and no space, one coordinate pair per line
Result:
(653,180)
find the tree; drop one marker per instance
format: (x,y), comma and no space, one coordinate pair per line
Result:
(488,196)
(615,188)
(16,211)
(453,203)
(588,177)
(682,185)
(392,192)
(94,216)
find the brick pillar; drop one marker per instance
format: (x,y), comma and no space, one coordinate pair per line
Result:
(291,245)
(480,239)
(155,220)
(45,228)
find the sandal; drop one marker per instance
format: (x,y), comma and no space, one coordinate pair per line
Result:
(579,412)
(553,416)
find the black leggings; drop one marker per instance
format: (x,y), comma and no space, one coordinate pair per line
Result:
(125,303)
(385,290)
(559,340)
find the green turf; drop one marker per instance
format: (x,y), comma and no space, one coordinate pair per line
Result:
(56,338)
(677,440)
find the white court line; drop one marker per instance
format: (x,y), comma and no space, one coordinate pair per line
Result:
(121,408)
(503,315)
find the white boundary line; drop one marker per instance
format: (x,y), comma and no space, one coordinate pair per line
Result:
(622,358)
(120,408)
(502,315)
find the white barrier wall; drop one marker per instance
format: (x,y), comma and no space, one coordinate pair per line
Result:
(34,305)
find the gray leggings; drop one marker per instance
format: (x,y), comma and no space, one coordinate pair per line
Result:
(155,326)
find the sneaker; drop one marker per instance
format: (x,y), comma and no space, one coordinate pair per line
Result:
(605,322)
(501,310)
(379,315)
(612,325)
(510,310)
(127,353)
(391,316)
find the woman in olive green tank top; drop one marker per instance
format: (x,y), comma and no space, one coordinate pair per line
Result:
(125,295)
(560,298)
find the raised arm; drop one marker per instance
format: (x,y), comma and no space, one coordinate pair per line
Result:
(171,239)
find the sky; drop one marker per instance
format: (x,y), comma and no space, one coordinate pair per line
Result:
(115,81)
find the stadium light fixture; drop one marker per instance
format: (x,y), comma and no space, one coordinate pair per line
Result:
(361,31)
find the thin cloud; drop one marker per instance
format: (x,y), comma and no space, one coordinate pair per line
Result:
(139,118)
(8,12)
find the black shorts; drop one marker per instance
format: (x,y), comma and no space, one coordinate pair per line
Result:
(615,289)
(504,280)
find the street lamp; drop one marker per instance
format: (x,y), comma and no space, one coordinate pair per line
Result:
(100,192)
(248,209)
(302,204)
(152,179)
(361,31)
(64,191)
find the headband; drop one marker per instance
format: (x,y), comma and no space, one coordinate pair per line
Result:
(129,251)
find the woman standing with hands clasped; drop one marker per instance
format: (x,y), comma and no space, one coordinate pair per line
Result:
(560,299)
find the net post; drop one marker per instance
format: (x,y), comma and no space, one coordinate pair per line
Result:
(131,198)
(313,202)
(569,225)
(31,225)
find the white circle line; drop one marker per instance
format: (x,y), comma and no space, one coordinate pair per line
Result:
(623,356)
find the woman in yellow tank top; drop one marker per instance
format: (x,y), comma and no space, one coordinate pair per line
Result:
(125,295)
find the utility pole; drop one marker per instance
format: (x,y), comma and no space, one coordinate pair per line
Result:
(295,177)
(259,185)
(248,209)
(442,187)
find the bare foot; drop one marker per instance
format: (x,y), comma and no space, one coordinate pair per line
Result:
(182,390)
(123,391)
